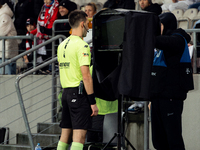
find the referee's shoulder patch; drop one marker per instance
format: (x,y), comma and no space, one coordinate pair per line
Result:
(86,46)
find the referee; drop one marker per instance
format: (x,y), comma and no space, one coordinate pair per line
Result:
(78,98)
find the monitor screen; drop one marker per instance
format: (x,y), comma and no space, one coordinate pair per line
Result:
(112,32)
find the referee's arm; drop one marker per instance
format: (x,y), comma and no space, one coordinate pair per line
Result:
(88,84)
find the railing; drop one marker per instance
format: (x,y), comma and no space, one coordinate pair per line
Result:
(37,93)
(23,109)
(194,31)
(57,22)
(31,50)
(3,38)
(54,84)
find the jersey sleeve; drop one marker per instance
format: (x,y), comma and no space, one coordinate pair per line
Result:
(84,55)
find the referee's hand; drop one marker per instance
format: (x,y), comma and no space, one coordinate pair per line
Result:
(94,110)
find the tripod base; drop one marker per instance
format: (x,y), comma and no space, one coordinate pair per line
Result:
(119,136)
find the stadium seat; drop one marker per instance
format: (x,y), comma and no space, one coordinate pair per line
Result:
(137,5)
(99,6)
(110,127)
(191,13)
(82,7)
(185,22)
(165,11)
(178,13)
(160,2)
(78,6)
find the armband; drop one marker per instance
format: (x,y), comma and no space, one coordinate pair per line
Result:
(91,99)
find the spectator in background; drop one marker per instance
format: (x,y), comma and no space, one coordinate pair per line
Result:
(9,3)
(147,5)
(7,28)
(178,4)
(90,10)
(46,18)
(28,43)
(65,8)
(113,4)
(195,5)
(23,10)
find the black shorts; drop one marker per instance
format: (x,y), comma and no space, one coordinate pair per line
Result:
(76,111)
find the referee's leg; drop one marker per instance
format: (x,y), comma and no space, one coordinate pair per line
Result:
(66,135)
(78,139)
(65,139)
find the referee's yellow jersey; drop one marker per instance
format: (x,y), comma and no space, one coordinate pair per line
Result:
(72,53)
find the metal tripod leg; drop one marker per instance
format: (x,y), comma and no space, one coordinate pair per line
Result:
(129,143)
(109,141)
(119,134)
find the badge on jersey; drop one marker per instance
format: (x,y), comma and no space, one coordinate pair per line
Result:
(85,54)
(64,65)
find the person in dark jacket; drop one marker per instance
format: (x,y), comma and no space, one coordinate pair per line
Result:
(147,5)
(113,4)
(65,8)
(37,7)
(171,80)
(23,10)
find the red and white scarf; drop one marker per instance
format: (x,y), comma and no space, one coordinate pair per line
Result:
(44,20)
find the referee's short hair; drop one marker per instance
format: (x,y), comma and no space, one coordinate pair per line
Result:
(75,17)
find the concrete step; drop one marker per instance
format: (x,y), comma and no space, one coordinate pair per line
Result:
(14,147)
(48,128)
(45,140)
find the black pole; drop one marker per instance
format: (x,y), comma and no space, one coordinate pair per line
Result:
(120,103)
